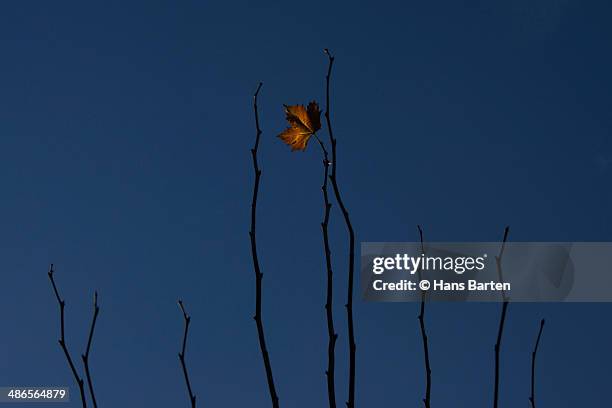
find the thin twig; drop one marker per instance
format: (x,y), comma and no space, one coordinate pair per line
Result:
(333,336)
(62,340)
(349,303)
(258,273)
(533,365)
(502,320)
(181,355)
(427,399)
(85,356)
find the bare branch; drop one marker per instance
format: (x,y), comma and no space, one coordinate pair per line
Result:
(256,268)
(351,268)
(502,320)
(62,340)
(181,355)
(85,356)
(533,365)
(427,399)
(333,336)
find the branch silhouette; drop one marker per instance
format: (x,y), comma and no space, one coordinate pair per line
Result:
(351,268)
(62,340)
(85,356)
(427,399)
(181,355)
(502,320)
(256,268)
(533,365)
(331,354)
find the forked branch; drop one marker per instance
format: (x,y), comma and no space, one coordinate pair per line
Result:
(256,268)
(351,268)
(502,320)
(85,356)
(62,340)
(533,365)
(181,354)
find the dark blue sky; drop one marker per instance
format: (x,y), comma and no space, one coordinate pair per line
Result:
(125,131)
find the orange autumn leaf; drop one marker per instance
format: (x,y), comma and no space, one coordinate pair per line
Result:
(304,122)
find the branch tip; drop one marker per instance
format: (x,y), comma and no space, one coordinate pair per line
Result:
(256,267)
(259,85)
(181,354)
(62,341)
(502,319)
